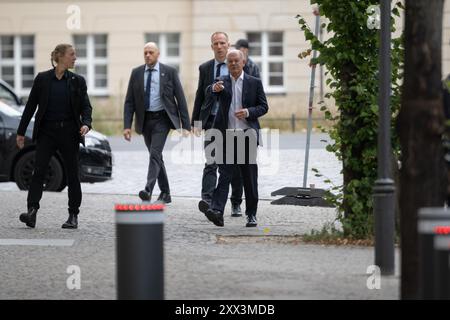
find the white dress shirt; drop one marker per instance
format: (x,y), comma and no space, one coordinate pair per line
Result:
(236,104)
(155,98)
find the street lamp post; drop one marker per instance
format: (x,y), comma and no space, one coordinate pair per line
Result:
(384,187)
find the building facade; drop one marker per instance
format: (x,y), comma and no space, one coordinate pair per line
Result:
(109,38)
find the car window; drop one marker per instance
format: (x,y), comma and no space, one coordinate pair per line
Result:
(9,111)
(6,96)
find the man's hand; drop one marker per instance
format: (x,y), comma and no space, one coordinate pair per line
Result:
(127,134)
(184,133)
(197,131)
(218,86)
(241,114)
(83,130)
(20,141)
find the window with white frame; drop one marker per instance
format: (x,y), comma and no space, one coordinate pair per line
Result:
(92,61)
(17,62)
(266,50)
(169,47)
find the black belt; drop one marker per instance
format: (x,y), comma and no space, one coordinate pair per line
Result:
(59,123)
(155,113)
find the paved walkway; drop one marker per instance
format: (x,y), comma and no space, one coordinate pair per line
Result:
(281,164)
(201,261)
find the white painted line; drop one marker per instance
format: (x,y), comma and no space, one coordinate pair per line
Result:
(37,242)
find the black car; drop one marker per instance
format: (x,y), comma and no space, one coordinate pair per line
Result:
(17,165)
(8,96)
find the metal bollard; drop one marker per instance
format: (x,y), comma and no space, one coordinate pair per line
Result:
(442,264)
(140,251)
(430,220)
(293,122)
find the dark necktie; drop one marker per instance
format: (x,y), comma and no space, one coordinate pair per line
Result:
(216,104)
(218,69)
(147,90)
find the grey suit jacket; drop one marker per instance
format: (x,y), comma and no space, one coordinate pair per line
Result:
(171,93)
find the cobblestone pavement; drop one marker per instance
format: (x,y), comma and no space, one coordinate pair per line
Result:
(278,167)
(201,261)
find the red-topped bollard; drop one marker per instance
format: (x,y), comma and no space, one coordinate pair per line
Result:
(442,263)
(140,251)
(432,222)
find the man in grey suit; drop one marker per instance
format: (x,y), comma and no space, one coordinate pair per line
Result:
(157,99)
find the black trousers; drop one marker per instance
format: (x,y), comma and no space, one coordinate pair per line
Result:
(209,178)
(156,129)
(65,138)
(237,187)
(249,172)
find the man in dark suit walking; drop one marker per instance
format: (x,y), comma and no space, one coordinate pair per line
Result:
(241,102)
(62,120)
(250,67)
(159,107)
(205,109)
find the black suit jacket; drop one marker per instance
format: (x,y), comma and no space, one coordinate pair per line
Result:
(172,98)
(446,94)
(203,102)
(253,98)
(78,98)
(252,69)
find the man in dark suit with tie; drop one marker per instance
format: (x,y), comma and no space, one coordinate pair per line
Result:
(205,109)
(159,107)
(241,102)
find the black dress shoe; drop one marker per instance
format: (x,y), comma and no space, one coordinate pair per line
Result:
(215,217)
(203,206)
(236,210)
(164,197)
(29,218)
(144,195)
(251,220)
(72,222)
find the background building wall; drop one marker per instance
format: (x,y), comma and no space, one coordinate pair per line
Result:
(127,22)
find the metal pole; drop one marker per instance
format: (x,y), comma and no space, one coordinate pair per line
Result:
(293,122)
(310,109)
(139,244)
(321,66)
(384,188)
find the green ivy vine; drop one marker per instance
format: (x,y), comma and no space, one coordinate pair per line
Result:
(351,58)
